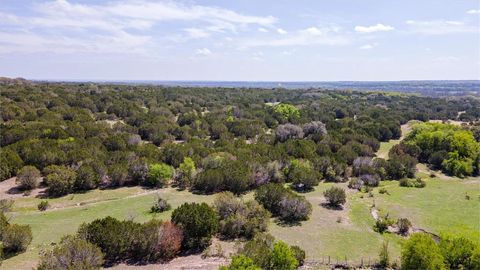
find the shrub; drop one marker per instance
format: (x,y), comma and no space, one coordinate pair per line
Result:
(459,252)
(304,178)
(299,254)
(283,203)
(382,223)
(43,205)
(199,223)
(114,237)
(403,225)
(160,205)
(28,177)
(418,183)
(421,252)
(283,257)
(355,183)
(239,219)
(335,196)
(16,238)
(159,174)
(60,180)
(87,178)
(288,131)
(383,191)
(6,205)
(259,249)
(186,172)
(169,242)
(241,262)
(223,174)
(294,208)
(72,253)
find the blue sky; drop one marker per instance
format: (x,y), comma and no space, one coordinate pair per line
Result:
(301,40)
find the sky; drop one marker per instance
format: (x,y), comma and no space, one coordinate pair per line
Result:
(243,40)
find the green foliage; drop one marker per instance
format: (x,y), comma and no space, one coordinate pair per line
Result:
(28,177)
(460,252)
(384,256)
(283,203)
(16,238)
(421,252)
(335,196)
(159,174)
(239,219)
(418,182)
(186,173)
(241,262)
(403,225)
(434,139)
(60,180)
(160,205)
(287,111)
(71,253)
(199,223)
(271,255)
(283,258)
(10,163)
(43,205)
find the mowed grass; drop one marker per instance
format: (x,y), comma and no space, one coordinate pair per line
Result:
(441,207)
(51,225)
(352,237)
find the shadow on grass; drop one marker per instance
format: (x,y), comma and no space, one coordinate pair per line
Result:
(332,207)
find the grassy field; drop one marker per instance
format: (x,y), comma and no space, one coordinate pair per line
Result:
(441,206)
(51,225)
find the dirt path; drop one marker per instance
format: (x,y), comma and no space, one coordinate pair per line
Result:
(9,190)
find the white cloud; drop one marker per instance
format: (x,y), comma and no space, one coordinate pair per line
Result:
(126,22)
(281,31)
(473,11)
(197,32)
(440,27)
(446,59)
(306,37)
(373,28)
(203,51)
(367,46)
(263,30)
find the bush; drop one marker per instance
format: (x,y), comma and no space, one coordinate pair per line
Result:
(223,174)
(283,257)
(241,262)
(169,242)
(6,205)
(159,174)
(283,203)
(459,252)
(186,173)
(421,252)
(60,180)
(114,237)
(28,177)
(16,238)
(382,224)
(239,219)
(288,131)
(160,205)
(43,205)
(299,254)
(418,183)
(403,225)
(383,191)
(87,178)
(72,253)
(304,178)
(199,223)
(335,196)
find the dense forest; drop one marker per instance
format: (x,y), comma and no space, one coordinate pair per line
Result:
(74,137)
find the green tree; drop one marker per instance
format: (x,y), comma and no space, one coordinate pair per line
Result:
(241,262)
(159,174)
(421,252)
(283,258)
(28,177)
(335,196)
(199,223)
